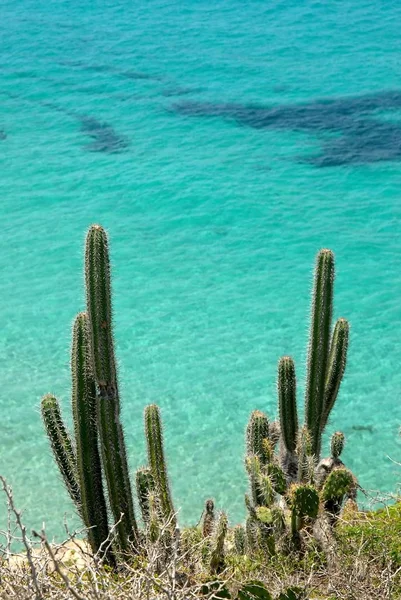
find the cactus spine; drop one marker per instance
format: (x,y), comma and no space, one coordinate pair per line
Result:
(98,296)
(154,439)
(61,446)
(94,510)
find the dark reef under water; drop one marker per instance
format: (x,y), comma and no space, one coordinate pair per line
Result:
(352,131)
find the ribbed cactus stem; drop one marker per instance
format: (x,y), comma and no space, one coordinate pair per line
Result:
(208,518)
(253,467)
(266,490)
(144,487)
(239,539)
(89,468)
(286,385)
(336,367)
(154,439)
(98,299)
(61,446)
(256,432)
(154,524)
(217,551)
(337,444)
(305,456)
(114,456)
(319,343)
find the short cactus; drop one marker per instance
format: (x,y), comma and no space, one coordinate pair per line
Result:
(209,518)
(306,460)
(154,439)
(337,445)
(286,385)
(340,483)
(217,544)
(257,431)
(239,539)
(144,487)
(304,501)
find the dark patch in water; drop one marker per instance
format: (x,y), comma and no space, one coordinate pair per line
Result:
(100,68)
(180,91)
(3,135)
(359,137)
(368,428)
(105,138)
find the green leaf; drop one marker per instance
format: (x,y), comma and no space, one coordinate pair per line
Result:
(215,589)
(292,593)
(254,590)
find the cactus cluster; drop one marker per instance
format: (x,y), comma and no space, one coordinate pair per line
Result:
(293,483)
(289,487)
(97,452)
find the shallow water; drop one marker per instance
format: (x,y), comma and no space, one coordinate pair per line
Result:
(197,136)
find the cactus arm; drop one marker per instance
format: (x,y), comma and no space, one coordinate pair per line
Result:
(94,510)
(286,385)
(336,367)
(61,446)
(154,440)
(98,294)
(319,345)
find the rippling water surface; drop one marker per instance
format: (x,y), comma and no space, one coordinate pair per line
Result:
(221,144)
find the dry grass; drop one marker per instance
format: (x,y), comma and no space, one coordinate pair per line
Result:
(355,570)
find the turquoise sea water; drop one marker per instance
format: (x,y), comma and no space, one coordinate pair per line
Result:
(195,133)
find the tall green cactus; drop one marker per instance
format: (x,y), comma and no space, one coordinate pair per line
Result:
(61,446)
(89,469)
(287,402)
(319,344)
(327,353)
(154,439)
(325,369)
(114,456)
